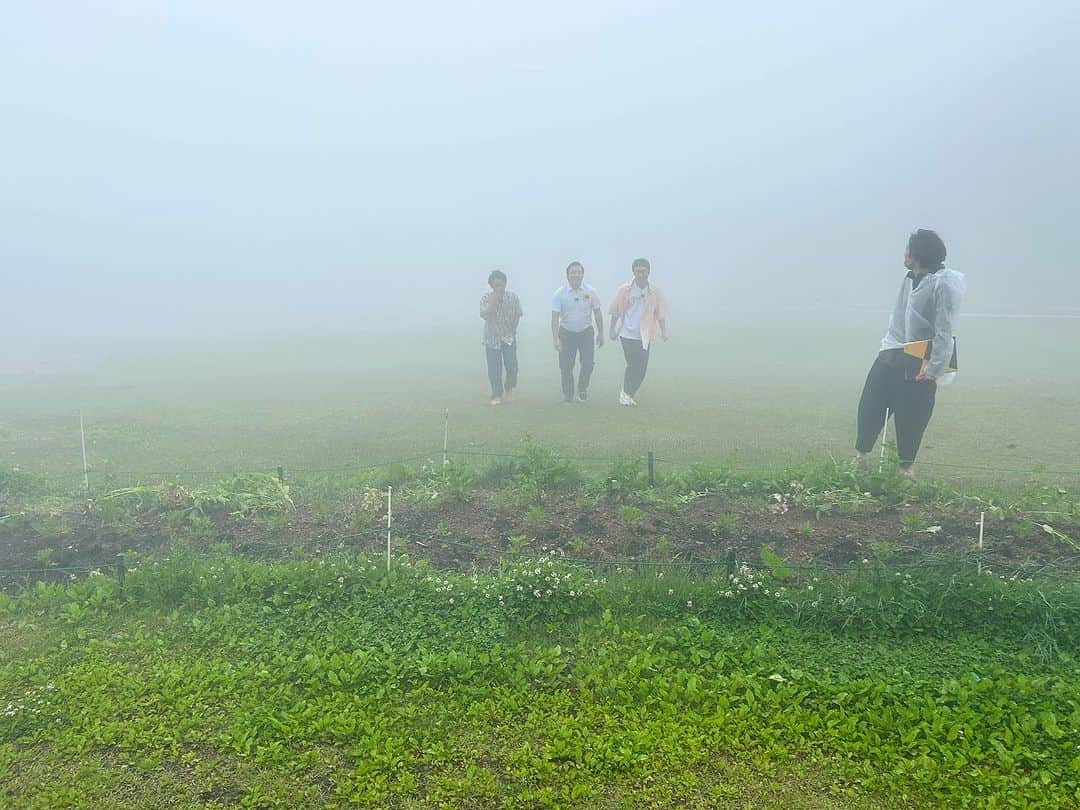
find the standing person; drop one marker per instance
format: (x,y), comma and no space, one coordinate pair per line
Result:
(638,312)
(501,311)
(902,384)
(573,308)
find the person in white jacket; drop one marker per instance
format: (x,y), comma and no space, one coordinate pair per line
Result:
(900,383)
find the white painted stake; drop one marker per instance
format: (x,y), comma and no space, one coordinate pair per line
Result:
(445,435)
(389,514)
(982,528)
(884,436)
(85,471)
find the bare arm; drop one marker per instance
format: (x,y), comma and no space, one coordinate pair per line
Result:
(598,316)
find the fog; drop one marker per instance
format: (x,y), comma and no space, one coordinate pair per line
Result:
(213,169)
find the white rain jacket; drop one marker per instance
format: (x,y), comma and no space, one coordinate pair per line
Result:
(928,312)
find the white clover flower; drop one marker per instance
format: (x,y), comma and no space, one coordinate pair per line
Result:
(689,603)
(670,591)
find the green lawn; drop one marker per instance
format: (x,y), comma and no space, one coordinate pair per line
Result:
(755,395)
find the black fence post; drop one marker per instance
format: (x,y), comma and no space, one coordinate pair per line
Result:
(281,474)
(121,568)
(652,468)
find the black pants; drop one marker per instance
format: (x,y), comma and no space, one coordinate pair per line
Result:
(573,344)
(637,363)
(889,385)
(504,356)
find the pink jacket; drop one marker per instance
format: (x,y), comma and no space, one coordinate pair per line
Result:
(656,310)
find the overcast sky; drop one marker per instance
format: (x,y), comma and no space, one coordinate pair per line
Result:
(205,167)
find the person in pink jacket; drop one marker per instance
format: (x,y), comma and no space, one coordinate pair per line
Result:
(638,314)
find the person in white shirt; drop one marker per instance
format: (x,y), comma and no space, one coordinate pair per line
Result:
(927,308)
(639,313)
(573,309)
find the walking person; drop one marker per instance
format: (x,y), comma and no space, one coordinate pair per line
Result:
(638,313)
(904,377)
(573,309)
(501,311)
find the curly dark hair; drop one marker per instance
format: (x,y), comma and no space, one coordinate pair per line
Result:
(927,249)
(496,274)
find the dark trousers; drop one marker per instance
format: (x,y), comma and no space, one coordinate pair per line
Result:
(573,344)
(637,363)
(889,385)
(497,359)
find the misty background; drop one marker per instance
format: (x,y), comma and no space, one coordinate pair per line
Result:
(206,169)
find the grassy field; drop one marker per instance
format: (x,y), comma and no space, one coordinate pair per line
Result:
(753,394)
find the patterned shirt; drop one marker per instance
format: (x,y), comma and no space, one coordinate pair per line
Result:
(500,318)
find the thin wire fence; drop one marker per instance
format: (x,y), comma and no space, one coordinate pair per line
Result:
(112,473)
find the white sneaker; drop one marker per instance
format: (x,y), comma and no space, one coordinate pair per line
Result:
(626,399)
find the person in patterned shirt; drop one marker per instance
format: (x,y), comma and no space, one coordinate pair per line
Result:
(501,311)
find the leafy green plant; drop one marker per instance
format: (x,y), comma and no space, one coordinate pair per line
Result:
(534,518)
(913,687)
(779,570)
(1026,529)
(912,522)
(631,516)
(662,548)
(516,543)
(579,545)
(452,481)
(725,524)
(625,480)
(540,473)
